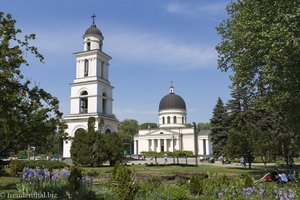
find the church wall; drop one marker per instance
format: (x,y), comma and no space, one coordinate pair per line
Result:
(188,143)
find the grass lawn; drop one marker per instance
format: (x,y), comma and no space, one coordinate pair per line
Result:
(172,170)
(8,184)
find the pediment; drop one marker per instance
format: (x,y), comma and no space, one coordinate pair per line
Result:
(161,132)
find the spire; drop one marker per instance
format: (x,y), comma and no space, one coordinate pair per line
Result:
(171,90)
(93,16)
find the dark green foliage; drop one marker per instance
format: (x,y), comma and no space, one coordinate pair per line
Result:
(260,47)
(46,164)
(18,165)
(28,114)
(148,125)
(113,147)
(81,149)
(180,181)
(153,182)
(127,129)
(125,185)
(196,185)
(92,148)
(175,193)
(218,122)
(204,126)
(75,179)
(247,181)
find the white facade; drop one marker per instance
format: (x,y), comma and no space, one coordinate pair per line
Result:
(91,91)
(173,133)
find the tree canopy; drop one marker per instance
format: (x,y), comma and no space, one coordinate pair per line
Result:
(28,114)
(260,47)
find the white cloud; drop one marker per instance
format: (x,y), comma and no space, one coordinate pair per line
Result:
(134,48)
(196,10)
(156,51)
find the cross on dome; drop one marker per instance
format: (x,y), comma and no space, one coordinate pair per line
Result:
(171,88)
(93,16)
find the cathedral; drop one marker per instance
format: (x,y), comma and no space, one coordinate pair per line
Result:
(91,91)
(173,133)
(91,96)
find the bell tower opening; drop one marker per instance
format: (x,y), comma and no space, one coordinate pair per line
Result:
(83,102)
(86,68)
(104,101)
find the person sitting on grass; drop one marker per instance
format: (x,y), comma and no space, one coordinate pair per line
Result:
(266,177)
(291,176)
(282,178)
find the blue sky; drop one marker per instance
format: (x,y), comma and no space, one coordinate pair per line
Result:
(151,42)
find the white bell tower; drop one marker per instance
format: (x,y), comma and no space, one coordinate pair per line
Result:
(91,91)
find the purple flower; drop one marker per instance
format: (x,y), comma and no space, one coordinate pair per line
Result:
(247,191)
(291,194)
(55,174)
(28,173)
(38,173)
(88,181)
(65,173)
(46,173)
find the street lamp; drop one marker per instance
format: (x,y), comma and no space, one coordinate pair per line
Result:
(173,150)
(196,143)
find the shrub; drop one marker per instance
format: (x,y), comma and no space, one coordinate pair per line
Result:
(180,181)
(49,164)
(154,181)
(16,166)
(196,185)
(247,181)
(75,179)
(175,193)
(125,185)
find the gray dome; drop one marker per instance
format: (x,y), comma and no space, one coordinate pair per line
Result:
(93,30)
(172,101)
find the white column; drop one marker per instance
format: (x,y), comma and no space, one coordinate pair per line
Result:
(166,145)
(176,143)
(149,145)
(158,146)
(171,145)
(152,145)
(135,147)
(207,148)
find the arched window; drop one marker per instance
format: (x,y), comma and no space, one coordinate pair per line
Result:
(169,120)
(163,120)
(175,120)
(83,102)
(182,120)
(86,67)
(88,47)
(108,131)
(104,101)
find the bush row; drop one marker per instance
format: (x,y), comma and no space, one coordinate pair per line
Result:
(18,165)
(168,153)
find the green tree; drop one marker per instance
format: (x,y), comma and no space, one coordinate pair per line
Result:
(204,126)
(81,149)
(127,128)
(113,147)
(261,46)
(92,148)
(148,125)
(218,134)
(242,125)
(28,114)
